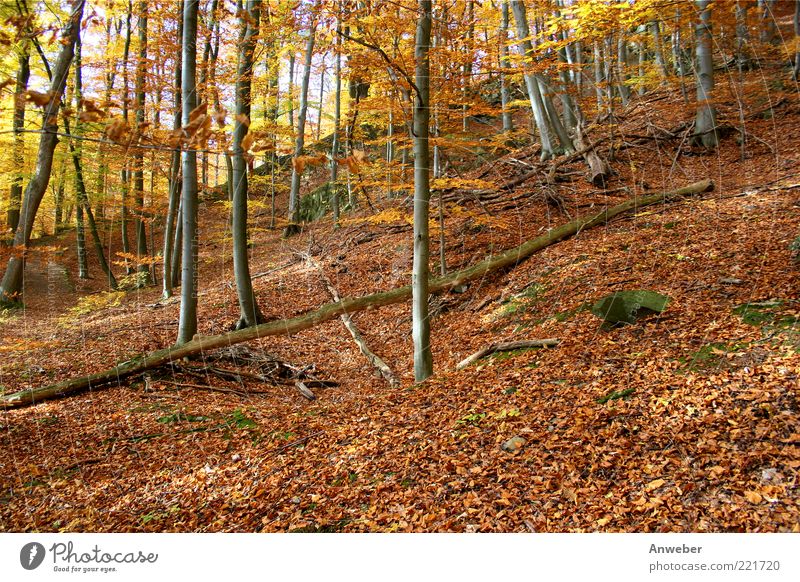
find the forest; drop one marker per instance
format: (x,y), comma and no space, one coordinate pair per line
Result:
(399,266)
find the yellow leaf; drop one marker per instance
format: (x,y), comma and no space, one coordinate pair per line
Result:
(753,496)
(655,484)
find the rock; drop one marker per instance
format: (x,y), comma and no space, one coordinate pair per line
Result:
(460,288)
(514,444)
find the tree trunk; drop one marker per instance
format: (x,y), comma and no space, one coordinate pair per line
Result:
(23,74)
(525,48)
(508,259)
(174,177)
(337,117)
(187,325)
(655,29)
(125,174)
(505,93)
(138,159)
(797,40)
(769,29)
(80,186)
(598,74)
(705,127)
(249,314)
(294,192)
(11,285)
(421,325)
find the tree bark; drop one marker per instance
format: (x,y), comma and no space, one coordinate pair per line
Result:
(294,192)
(797,40)
(705,127)
(82,205)
(11,285)
(138,159)
(174,177)
(421,325)
(187,325)
(249,314)
(125,177)
(505,93)
(525,48)
(508,259)
(23,74)
(337,118)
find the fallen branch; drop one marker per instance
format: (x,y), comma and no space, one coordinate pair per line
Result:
(506,347)
(509,258)
(373,358)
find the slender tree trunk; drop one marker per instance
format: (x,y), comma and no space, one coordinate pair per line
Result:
(58,217)
(622,66)
(421,325)
(321,97)
(705,131)
(82,204)
(187,325)
(80,186)
(125,174)
(249,313)
(11,285)
(742,35)
(294,193)
(655,29)
(797,40)
(337,116)
(769,29)
(598,74)
(505,93)
(80,234)
(23,74)
(290,90)
(177,245)
(138,160)
(525,48)
(174,177)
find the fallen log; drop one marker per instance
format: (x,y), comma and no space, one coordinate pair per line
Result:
(506,347)
(509,258)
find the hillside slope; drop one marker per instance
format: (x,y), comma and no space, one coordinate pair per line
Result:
(686,421)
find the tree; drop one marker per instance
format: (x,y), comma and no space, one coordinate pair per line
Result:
(337,118)
(187,324)
(705,127)
(797,40)
(248,307)
(294,192)
(23,74)
(11,285)
(421,325)
(138,159)
(525,48)
(174,177)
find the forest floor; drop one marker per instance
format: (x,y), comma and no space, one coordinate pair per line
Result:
(687,421)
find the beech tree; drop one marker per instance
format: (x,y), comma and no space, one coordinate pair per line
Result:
(421,325)
(294,192)
(187,325)
(705,131)
(249,313)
